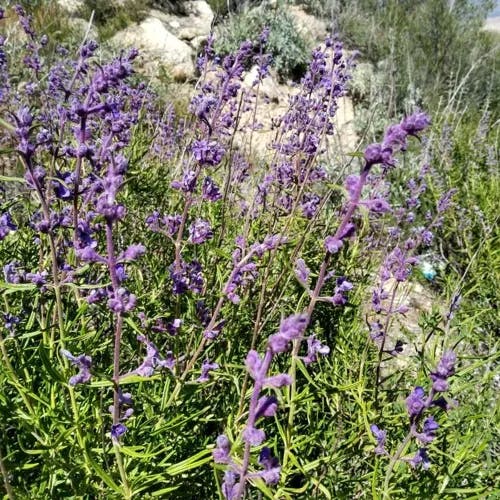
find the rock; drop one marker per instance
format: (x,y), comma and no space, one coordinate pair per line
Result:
(159,47)
(310,27)
(268,87)
(71,6)
(194,23)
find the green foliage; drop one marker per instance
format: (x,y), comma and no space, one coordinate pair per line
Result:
(111,16)
(428,49)
(288,48)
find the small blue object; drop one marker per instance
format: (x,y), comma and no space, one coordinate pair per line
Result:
(428,271)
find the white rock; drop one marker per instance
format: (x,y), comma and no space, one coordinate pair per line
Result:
(159,47)
(197,21)
(268,87)
(310,27)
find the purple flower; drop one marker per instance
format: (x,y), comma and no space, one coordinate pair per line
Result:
(272,469)
(428,431)
(309,204)
(420,459)
(377,153)
(83,363)
(10,322)
(278,381)
(208,153)
(39,278)
(153,359)
(332,244)
(444,370)
(253,363)
(206,368)
(415,402)
(290,328)
(118,430)
(253,436)
(221,453)
(188,182)
(174,326)
(415,123)
(229,486)
(395,138)
(133,252)
(380,436)
(210,190)
(12,273)
(122,301)
(302,272)
(200,231)
(266,407)
(6,225)
(314,347)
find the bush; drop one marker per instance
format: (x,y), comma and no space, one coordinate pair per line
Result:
(288,48)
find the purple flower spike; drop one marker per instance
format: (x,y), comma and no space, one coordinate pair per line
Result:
(84,364)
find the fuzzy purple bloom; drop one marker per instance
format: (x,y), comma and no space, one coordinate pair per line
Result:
(420,459)
(200,231)
(314,347)
(253,436)
(83,363)
(206,368)
(415,402)
(221,453)
(266,407)
(290,328)
(380,435)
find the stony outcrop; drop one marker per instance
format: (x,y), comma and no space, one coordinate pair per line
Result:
(159,48)
(193,26)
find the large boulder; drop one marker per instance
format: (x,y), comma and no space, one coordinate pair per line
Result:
(159,47)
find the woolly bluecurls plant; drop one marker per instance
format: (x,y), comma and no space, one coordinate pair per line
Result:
(423,426)
(292,329)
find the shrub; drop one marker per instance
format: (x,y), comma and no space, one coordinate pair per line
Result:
(288,48)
